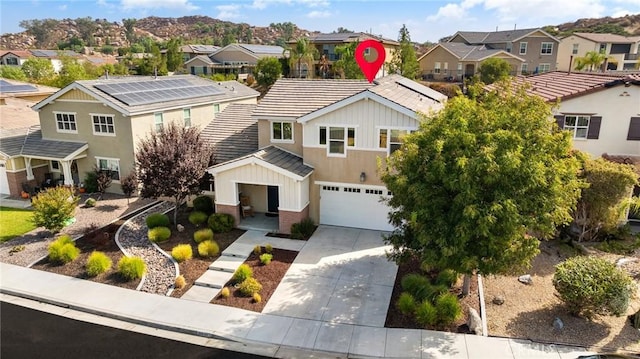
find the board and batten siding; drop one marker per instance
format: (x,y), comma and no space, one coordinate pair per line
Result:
(293,195)
(367,116)
(616,112)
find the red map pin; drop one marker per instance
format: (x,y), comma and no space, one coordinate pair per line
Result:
(370,69)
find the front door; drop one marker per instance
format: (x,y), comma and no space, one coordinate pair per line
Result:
(272,199)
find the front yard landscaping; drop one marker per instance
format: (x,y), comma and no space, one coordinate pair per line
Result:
(14,222)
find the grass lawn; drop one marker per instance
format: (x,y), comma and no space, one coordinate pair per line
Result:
(14,222)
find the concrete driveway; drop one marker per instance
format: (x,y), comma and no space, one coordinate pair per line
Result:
(341,276)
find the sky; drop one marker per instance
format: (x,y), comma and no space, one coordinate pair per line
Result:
(426,20)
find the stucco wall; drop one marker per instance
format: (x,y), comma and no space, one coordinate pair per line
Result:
(264,137)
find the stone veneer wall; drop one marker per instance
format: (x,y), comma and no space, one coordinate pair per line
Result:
(232,210)
(287,218)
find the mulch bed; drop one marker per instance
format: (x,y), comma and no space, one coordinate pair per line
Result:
(96,240)
(268,275)
(395,319)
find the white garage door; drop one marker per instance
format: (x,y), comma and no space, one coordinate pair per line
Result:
(4,184)
(354,207)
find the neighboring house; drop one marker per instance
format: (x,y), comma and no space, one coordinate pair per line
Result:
(18,124)
(239,59)
(622,53)
(602,111)
(193,50)
(55,56)
(454,61)
(318,147)
(100,122)
(14,57)
(326,45)
(535,47)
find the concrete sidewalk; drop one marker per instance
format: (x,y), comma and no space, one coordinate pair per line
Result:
(331,303)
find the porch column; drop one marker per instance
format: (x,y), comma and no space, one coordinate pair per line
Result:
(66,171)
(27,164)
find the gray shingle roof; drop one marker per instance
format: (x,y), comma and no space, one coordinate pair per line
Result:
(409,94)
(612,38)
(263,49)
(469,52)
(30,143)
(233,133)
(280,158)
(294,98)
(492,37)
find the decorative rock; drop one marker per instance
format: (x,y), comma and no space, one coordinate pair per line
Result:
(498,300)
(624,260)
(180,228)
(558,324)
(474,322)
(526,279)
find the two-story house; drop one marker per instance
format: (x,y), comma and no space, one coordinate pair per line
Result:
(100,122)
(239,59)
(326,44)
(533,50)
(621,52)
(319,142)
(192,50)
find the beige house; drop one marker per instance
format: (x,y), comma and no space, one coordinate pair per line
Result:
(14,57)
(18,122)
(239,59)
(192,50)
(534,49)
(317,155)
(100,122)
(622,53)
(326,44)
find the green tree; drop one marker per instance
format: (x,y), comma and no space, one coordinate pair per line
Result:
(170,163)
(603,203)
(302,51)
(474,184)
(53,208)
(13,73)
(494,69)
(38,70)
(40,29)
(268,70)
(107,50)
(174,55)
(87,27)
(404,61)
(347,65)
(129,29)
(71,71)
(591,60)
(152,63)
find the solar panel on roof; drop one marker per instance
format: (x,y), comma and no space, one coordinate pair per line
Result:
(6,87)
(155,91)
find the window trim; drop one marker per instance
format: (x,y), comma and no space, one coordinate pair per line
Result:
(345,138)
(53,169)
(547,65)
(575,48)
(184,118)
(117,160)
(574,129)
(542,48)
(526,47)
(436,68)
(216,108)
(156,123)
(281,140)
(524,67)
(75,121)
(11,61)
(409,130)
(93,124)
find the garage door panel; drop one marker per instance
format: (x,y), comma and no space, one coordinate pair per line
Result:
(353,207)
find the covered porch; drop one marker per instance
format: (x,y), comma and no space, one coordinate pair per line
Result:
(263,187)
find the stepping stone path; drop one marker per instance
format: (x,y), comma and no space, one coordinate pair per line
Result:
(133,241)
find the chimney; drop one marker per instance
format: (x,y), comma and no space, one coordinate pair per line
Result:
(570,64)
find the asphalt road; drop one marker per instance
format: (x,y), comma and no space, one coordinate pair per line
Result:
(28,333)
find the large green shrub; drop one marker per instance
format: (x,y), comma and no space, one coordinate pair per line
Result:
(208,248)
(448,308)
(242,273)
(182,252)
(406,303)
(91,182)
(249,287)
(131,267)
(63,250)
(426,314)
(447,277)
(159,234)
(53,208)
(203,204)
(221,222)
(197,218)
(589,285)
(303,229)
(97,263)
(417,285)
(157,220)
(201,235)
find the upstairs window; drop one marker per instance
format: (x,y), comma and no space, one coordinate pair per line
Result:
(546,48)
(216,108)
(574,51)
(186,116)
(523,48)
(544,68)
(103,125)
(282,131)
(391,139)
(159,122)
(66,122)
(339,138)
(436,68)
